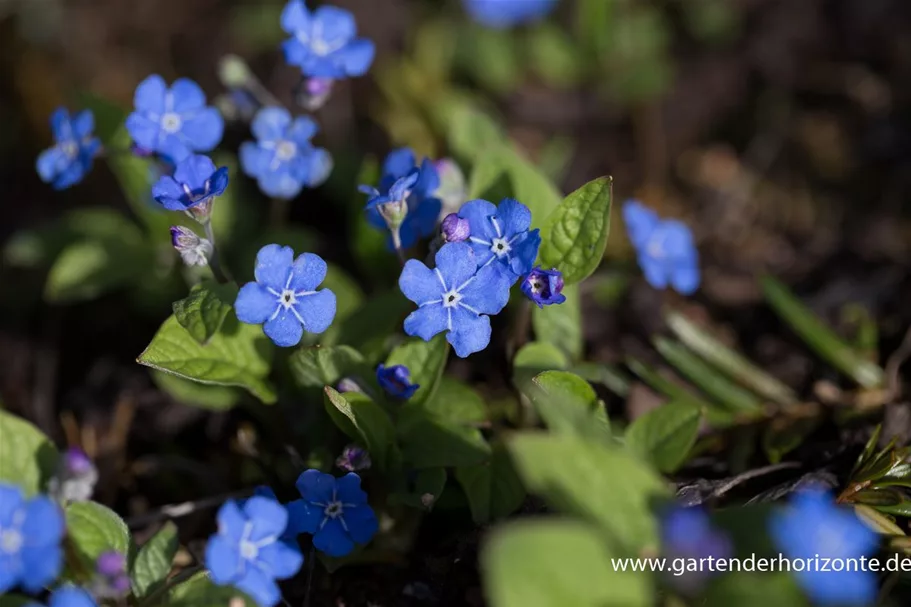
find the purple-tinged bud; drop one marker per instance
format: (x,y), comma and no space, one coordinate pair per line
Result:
(353,458)
(76,461)
(194,251)
(111,564)
(347,384)
(544,287)
(140,151)
(455,229)
(453,190)
(111,578)
(75,478)
(312,93)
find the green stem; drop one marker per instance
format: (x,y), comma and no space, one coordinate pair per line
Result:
(221,275)
(397,244)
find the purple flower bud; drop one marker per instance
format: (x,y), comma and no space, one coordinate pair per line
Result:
(312,93)
(194,251)
(76,461)
(353,458)
(111,579)
(75,478)
(455,229)
(544,287)
(347,384)
(111,564)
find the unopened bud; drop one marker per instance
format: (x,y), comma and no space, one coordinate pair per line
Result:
(455,229)
(353,458)
(234,72)
(313,93)
(194,251)
(75,478)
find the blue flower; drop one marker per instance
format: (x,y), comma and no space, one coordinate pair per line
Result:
(335,511)
(283,160)
(814,526)
(292,529)
(70,596)
(500,234)
(404,181)
(324,43)
(30,535)
(687,533)
(195,183)
(506,13)
(71,158)
(246,551)
(455,297)
(284,298)
(544,287)
(174,121)
(664,248)
(396,381)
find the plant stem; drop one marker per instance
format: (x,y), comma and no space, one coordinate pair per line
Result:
(221,275)
(310,565)
(279,209)
(397,244)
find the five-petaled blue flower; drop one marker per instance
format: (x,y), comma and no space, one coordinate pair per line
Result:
(396,381)
(544,287)
(500,236)
(30,535)
(335,511)
(173,121)
(247,551)
(687,533)
(404,181)
(282,159)
(324,42)
(456,296)
(292,529)
(68,596)
(195,183)
(70,159)
(813,525)
(284,298)
(664,248)
(506,13)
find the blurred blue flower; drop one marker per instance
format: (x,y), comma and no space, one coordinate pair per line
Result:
(173,121)
(69,596)
(814,525)
(506,13)
(404,181)
(396,381)
(353,458)
(664,248)
(324,42)
(246,551)
(71,158)
(196,182)
(284,298)
(335,511)
(687,533)
(111,577)
(455,296)
(500,234)
(30,535)
(282,159)
(544,287)
(292,529)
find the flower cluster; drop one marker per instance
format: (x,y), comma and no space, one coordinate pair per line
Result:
(664,248)
(30,534)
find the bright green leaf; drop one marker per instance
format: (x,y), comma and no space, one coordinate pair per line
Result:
(607,375)
(153,561)
(204,310)
(486,172)
(784,435)
(27,457)
(201,591)
(472,131)
(534,358)
(368,328)
(532,188)
(364,421)
(452,402)
(755,590)
(425,360)
(493,488)
(348,293)
(575,234)
(325,365)
(238,355)
(561,324)
(194,394)
(665,435)
(568,405)
(93,529)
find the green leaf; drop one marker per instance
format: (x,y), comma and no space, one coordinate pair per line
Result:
(599,482)
(370,326)
(364,421)
(755,590)
(728,361)
(561,324)
(534,358)
(471,132)
(453,402)
(554,56)
(426,490)
(237,355)
(607,375)
(877,521)
(486,172)
(568,405)
(574,236)
(348,293)
(204,310)
(532,188)
(542,563)
(325,365)
(93,529)
(153,562)
(493,488)
(27,457)
(425,360)
(491,57)
(194,394)
(665,435)
(819,337)
(16,600)
(201,591)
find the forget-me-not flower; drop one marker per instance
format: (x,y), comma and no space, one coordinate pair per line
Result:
(247,551)
(284,298)
(293,528)
(814,525)
(30,534)
(544,287)
(174,121)
(282,159)
(409,186)
(506,13)
(664,248)
(500,236)
(456,296)
(68,596)
(335,511)
(687,533)
(396,381)
(196,182)
(71,158)
(324,42)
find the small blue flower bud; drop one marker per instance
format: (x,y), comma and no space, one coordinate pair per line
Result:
(544,287)
(75,478)
(353,458)
(194,251)
(455,229)
(313,93)
(396,381)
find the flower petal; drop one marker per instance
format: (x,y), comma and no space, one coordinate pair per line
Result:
(319,165)
(222,560)
(427,321)
(270,123)
(640,221)
(284,329)
(254,160)
(456,262)
(354,58)
(514,216)
(349,489)
(83,124)
(362,523)
(333,540)
(269,518)
(398,163)
(685,278)
(169,194)
(260,587)
(301,130)
(302,517)
(61,126)
(307,272)
(654,271)
(316,486)
(186,96)
(231,521)
(523,254)
(478,213)
(204,130)
(296,54)
(71,596)
(194,171)
(280,560)
(10,571)
(280,184)
(317,310)
(150,95)
(218,183)
(173,147)
(335,26)
(488,293)
(40,566)
(295,17)
(50,163)
(10,501)
(428,180)
(419,283)
(470,332)
(43,523)
(423,220)
(143,131)
(273,266)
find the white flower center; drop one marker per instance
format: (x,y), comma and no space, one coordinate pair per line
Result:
(287,298)
(285,150)
(171,122)
(248,550)
(451,299)
(334,509)
(536,287)
(499,247)
(70,148)
(10,541)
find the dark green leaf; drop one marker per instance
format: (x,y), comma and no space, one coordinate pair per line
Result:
(370,326)
(325,365)
(27,457)
(425,360)
(665,386)
(201,591)
(780,438)
(493,488)
(204,310)
(364,421)
(568,405)
(607,375)
(93,529)
(195,394)
(426,490)
(665,435)
(153,562)
(534,358)
(561,324)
